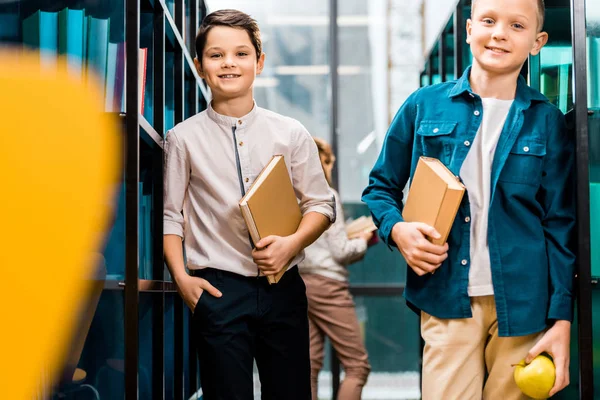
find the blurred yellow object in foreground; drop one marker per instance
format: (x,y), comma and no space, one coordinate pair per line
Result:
(59,164)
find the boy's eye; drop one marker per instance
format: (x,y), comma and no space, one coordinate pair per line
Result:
(215,55)
(242,54)
(488,21)
(518,26)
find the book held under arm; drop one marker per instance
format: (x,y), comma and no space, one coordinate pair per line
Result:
(433,197)
(270,206)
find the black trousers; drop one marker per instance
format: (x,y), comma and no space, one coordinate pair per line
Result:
(253,321)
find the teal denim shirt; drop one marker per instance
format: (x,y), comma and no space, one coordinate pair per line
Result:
(532,205)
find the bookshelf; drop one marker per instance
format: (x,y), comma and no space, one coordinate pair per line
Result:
(141,52)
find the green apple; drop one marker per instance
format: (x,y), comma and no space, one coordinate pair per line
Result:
(535,379)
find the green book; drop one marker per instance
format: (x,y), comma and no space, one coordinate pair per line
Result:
(71,42)
(40,31)
(97,49)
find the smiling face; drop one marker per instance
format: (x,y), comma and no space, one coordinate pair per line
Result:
(502,33)
(229,63)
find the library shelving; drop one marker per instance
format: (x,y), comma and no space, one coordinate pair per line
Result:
(141,52)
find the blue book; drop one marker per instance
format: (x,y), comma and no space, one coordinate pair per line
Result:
(71,39)
(97,49)
(40,31)
(111,76)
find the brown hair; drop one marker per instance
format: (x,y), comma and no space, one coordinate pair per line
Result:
(541,7)
(233,19)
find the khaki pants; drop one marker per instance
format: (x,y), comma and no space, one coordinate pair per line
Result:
(459,352)
(331,312)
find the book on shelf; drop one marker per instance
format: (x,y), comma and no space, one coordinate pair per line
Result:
(270,206)
(360,225)
(593,66)
(40,31)
(71,39)
(121,92)
(97,50)
(434,197)
(111,77)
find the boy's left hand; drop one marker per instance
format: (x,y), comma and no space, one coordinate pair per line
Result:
(555,342)
(272,253)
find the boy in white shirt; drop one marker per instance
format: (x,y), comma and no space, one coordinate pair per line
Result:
(211,159)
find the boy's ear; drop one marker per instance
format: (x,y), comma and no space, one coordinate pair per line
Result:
(540,40)
(198,67)
(469,28)
(260,64)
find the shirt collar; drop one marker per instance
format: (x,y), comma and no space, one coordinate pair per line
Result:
(524,95)
(228,121)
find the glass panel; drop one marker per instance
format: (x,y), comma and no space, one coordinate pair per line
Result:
(391,333)
(424,75)
(147,307)
(435,63)
(556,59)
(149,167)
(593,71)
(104,353)
(295,80)
(190,103)
(449,48)
(169,346)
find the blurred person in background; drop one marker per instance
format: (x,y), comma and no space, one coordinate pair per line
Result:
(331,309)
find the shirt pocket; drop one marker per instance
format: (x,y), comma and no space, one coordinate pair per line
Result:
(436,139)
(524,163)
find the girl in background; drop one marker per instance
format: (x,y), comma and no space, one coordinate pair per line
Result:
(331,309)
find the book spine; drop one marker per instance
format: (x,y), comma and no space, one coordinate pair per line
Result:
(111,70)
(97,49)
(71,40)
(447,214)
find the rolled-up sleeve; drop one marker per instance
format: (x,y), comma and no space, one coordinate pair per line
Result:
(308,178)
(175,182)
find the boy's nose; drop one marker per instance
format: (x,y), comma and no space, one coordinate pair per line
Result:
(499,33)
(228,62)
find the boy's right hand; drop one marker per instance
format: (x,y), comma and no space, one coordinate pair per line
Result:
(420,254)
(190,289)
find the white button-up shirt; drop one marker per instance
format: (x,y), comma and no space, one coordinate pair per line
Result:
(203,180)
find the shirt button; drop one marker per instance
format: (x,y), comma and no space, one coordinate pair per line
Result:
(467,143)
(464,262)
(476,112)
(241,143)
(467,219)
(240,121)
(247,179)
(525,149)
(436,130)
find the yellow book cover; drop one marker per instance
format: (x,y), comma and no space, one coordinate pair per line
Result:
(270,206)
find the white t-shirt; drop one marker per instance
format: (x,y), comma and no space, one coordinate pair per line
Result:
(476,174)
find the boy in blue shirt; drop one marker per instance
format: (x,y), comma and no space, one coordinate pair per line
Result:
(503,283)
(211,160)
